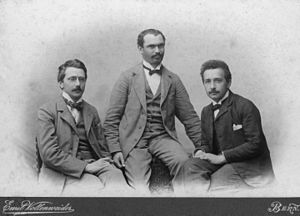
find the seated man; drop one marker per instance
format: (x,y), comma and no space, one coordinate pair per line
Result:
(140,121)
(71,142)
(233,146)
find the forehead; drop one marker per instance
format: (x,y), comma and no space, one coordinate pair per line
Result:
(153,39)
(72,71)
(214,73)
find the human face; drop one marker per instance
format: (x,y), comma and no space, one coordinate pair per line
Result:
(153,49)
(215,83)
(73,83)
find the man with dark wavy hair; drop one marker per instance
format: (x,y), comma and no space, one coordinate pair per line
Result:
(71,143)
(233,154)
(140,121)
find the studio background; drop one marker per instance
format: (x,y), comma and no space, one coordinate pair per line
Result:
(258,39)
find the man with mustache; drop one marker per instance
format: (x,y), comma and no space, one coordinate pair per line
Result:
(233,154)
(71,143)
(140,121)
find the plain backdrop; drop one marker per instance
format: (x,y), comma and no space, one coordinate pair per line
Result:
(259,39)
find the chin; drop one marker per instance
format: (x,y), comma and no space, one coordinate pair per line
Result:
(75,98)
(216,99)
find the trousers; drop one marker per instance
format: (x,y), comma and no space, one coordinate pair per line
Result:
(137,164)
(107,181)
(199,176)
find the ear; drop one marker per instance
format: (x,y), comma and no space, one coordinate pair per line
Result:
(61,85)
(141,49)
(229,84)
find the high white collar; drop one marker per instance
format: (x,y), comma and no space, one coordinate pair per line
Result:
(67,96)
(220,101)
(150,66)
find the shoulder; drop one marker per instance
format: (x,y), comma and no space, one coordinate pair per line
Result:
(205,109)
(90,108)
(91,111)
(238,99)
(50,105)
(171,74)
(49,109)
(174,79)
(243,104)
(131,72)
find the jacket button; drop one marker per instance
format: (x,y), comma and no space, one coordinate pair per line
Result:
(140,127)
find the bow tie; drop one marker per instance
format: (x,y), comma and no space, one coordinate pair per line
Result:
(152,71)
(216,106)
(74,105)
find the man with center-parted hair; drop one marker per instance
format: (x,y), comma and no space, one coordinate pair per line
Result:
(71,143)
(140,120)
(233,154)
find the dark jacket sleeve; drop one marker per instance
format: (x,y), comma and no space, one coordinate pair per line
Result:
(251,134)
(117,104)
(51,153)
(204,133)
(186,113)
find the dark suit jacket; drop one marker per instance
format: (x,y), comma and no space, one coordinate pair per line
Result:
(127,113)
(58,141)
(241,138)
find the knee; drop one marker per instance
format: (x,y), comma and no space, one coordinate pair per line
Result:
(181,159)
(193,165)
(116,172)
(191,162)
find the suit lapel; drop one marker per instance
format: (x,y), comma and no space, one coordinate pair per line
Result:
(139,86)
(225,106)
(87,114)
(165,84)
(66,114)
(87,117)
(210,116)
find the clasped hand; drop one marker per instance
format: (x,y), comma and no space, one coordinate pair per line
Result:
(212,158)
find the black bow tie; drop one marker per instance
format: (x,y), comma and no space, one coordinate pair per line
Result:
(74,105)
(152,71)
(216,106)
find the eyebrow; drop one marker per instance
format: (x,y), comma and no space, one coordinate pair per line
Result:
(153,44)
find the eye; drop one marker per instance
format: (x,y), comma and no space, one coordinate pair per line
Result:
(73,78)
(161,46)
(81,79)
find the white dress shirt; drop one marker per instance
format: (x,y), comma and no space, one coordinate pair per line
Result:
(220,102)
(75,113)
(154,79)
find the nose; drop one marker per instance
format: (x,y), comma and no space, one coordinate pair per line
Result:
(77,82)
(156,49)
(212,85)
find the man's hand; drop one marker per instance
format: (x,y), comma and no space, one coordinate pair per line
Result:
(97,165)
(119,159)
(214,159)
(199,154)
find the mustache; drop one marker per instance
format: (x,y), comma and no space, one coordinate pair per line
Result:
(157,55)
(213,91)
(77,88)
